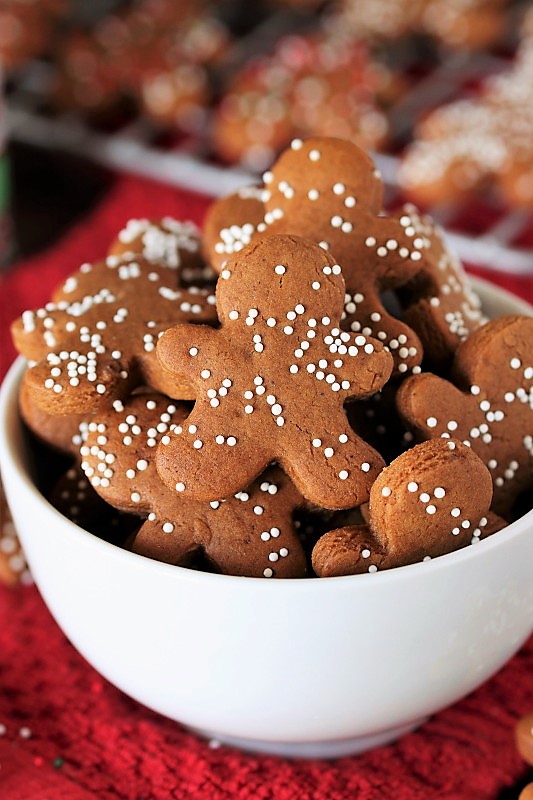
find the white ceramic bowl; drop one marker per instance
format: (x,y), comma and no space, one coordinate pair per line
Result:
(295,667)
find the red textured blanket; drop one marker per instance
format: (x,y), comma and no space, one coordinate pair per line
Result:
(66,734)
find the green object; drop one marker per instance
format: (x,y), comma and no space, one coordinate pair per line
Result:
(4,183)
(58,762)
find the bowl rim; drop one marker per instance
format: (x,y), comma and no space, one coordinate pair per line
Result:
(10,458)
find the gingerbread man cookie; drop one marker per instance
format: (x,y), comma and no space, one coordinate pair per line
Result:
(431,500)
(271,382)
(167,242)
(490,408)
(96,340)
(249,534)
(524,744)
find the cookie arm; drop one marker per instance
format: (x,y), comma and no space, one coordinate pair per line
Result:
(428,404)
(352,550)
(186,350)
(365,368)
(366,312)
(176,547)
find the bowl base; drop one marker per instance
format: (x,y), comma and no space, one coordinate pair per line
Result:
(336,748)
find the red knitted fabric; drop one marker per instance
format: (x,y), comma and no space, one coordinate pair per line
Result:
(66,734)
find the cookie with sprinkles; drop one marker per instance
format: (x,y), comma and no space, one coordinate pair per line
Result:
(490,407)
(271,382)
(231,222)
(330,192)
(96,340)
(250,534)
(13,567)
(431,500)
(167,242)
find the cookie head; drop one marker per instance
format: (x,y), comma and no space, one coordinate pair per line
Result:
(317,164)
(299,284)
(429,501)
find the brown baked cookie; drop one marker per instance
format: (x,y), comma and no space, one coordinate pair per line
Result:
(249,534)
(431,500)
(524,738)
(524,744)
(96,341)
(13,567)
(490,408)
(272,381)
(328,191)
(167,242)
(231,223)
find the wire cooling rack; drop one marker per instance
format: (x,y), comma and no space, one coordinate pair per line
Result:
(133,148)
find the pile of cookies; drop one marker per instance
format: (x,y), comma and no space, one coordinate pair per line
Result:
(247,403)
(319,84)
(465,147)
(462,24)
(155,54)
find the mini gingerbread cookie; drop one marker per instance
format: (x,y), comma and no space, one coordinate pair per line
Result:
(96,341)
(272,381)
(524,738)
(329,191)
(231,223)
(167,242)
(249,534)
(492,408)
(431,500)
(13,567)
(524,744)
